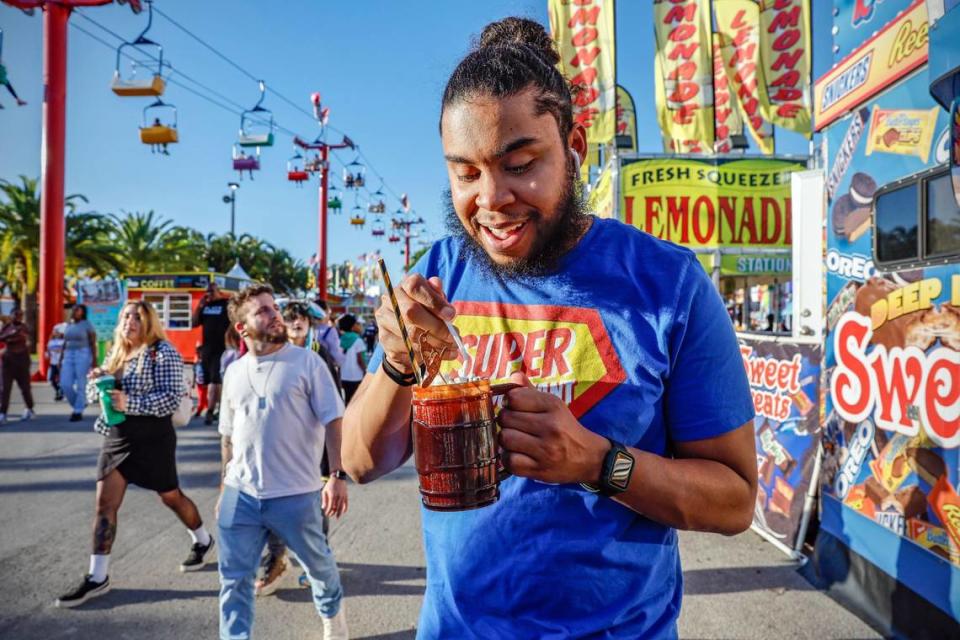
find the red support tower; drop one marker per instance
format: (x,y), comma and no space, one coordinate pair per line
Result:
(56,15)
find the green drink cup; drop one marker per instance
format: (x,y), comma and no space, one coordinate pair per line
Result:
(106,384)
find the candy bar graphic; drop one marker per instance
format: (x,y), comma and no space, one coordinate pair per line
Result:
(911,502)
(927,464)
(946,504)
(848,148)
(840,303)
(782,497)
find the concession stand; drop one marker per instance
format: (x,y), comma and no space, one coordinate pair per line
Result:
(175,296)
(889,537)
(737,213)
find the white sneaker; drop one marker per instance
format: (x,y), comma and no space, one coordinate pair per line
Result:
(27,415)
(335,628)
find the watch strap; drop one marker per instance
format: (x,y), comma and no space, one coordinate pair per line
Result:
(615,473)
(399,377)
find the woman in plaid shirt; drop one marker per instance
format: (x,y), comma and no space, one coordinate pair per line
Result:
(142,449)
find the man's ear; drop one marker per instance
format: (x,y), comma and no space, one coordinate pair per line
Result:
(577,140)
(240,328)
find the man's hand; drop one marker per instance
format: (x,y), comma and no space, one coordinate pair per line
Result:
(424,309)
(334,498)
(542,440)
(119,400)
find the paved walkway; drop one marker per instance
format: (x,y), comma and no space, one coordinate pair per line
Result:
(736,587)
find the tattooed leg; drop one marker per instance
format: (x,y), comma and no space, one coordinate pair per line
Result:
(110,492)
(104,532)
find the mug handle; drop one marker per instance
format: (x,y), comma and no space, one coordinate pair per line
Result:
(499,390)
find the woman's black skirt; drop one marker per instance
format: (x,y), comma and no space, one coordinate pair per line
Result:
(144,450)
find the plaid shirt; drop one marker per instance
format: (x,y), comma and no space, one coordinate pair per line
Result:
(153,384)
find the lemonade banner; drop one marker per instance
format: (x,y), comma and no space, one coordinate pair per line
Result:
(683,74)
(626,119)
(584,33)
(738,33)
(786,56)
(717,204)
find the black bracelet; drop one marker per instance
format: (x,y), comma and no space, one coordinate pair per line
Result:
(401,378)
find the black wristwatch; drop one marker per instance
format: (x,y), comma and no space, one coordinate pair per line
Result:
(615,473)
(338,474)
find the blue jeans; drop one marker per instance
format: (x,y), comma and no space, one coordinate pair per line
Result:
(244,524)
(73,376)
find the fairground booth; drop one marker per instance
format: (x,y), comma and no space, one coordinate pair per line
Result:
(841,274)
(889,537)
(176,295)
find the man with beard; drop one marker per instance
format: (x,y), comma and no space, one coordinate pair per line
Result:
(279,406)
(633,417)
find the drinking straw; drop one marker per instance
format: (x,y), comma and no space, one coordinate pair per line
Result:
(452,328)
(403,328)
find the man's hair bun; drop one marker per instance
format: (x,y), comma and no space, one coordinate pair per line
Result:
(520,31)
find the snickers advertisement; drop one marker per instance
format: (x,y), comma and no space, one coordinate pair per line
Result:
(784,380)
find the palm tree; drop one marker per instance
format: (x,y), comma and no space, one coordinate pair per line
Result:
(20,240)
(90,252)
(148,243)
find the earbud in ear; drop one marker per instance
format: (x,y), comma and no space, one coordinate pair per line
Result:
(576,159)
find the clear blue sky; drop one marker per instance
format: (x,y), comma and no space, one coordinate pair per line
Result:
(380,65)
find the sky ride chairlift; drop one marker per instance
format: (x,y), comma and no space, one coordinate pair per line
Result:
(295,171)
(244,162)
(357,218)
(254,130)
(378,229)
(353,175)
(154,132)
(137,87)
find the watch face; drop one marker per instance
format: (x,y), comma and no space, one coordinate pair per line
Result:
(622,469)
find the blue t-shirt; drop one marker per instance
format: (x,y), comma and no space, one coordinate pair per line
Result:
(632,334)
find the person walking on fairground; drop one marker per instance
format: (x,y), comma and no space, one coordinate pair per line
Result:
(79,351)
(200,382)
(297,318)
(16,365)
(326,332)
(140,450)
(279,408)
(651,427)
(55,359)
(351,374)
(211,314)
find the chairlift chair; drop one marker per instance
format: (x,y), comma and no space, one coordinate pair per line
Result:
(378,229)
(294,171)
(334,204)
(132,86)
(155,131)
(244,162)
(394,238)
(256,124)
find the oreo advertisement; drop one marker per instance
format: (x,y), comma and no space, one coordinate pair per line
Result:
(891,428)
(784,380)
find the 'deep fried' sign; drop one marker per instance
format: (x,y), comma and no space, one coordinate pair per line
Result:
(742,203)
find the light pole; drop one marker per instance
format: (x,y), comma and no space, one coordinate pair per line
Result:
(232,199)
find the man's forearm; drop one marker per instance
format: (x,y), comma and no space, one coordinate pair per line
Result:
(333,442)
(376,428)
(226,454)
(692,494)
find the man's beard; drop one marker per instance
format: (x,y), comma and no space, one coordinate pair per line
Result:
(268,337)
(550,245)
